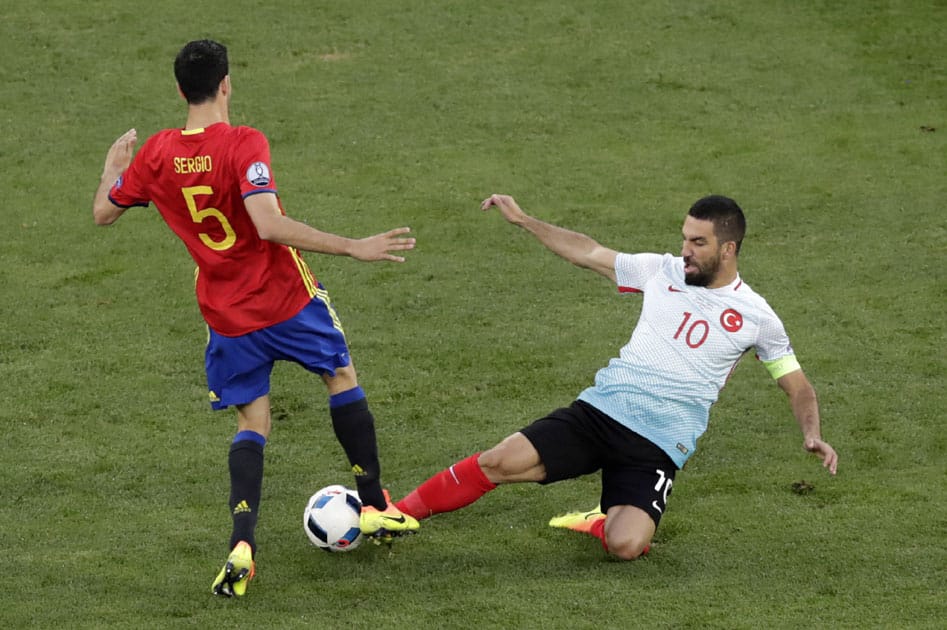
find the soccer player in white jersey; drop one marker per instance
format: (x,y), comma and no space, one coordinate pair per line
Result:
(640,421)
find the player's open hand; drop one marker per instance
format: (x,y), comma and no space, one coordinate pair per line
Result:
(120,154)
(825,451)
(380,246)
(507,207)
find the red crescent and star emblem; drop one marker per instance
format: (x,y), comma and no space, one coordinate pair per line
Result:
(731,320)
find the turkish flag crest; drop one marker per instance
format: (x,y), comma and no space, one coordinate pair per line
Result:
(731,320)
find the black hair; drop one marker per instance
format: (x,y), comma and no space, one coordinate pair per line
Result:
(725,214)
(199,68)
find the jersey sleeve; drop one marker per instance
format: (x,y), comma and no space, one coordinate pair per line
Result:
(253,164)
(632,271)
(773,347)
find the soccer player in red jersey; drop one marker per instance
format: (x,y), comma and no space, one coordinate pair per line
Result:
(214,187)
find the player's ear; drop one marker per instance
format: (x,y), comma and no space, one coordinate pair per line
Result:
(180,91)
(224,87)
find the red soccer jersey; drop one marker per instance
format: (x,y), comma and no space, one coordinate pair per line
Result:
(198,180)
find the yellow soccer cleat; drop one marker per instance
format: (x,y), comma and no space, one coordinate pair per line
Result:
(239,570)
(578,521)
(385,525)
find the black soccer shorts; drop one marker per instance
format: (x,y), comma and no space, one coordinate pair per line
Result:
(579,440)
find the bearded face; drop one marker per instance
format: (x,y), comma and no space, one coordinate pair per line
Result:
(702,253)
(700,273)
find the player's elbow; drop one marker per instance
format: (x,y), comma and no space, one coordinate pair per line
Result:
(269,231)
(599,259)
(270,227)
(105,214)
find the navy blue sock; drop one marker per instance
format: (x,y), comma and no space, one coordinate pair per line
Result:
(246,482)
(354,427)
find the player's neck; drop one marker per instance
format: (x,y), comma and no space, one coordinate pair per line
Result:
(725,276)
(206,114)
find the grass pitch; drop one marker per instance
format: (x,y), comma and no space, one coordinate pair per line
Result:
(825,121)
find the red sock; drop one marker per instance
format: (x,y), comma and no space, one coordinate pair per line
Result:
(598,530)
(449,490)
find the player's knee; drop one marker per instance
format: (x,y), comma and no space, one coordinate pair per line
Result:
(493,463)
(627,547)
(512,460)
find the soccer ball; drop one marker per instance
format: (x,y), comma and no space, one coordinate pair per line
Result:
(331,519)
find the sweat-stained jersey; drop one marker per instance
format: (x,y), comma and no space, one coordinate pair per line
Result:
(198,180)
(687,341)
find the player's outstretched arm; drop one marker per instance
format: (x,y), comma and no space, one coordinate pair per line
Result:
(119,156)
(577,248)
(805,407)
(381,246)
(273,225)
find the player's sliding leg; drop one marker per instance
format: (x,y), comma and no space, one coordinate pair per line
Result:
(449,490)
(591,522)
(626,532)
(512,460)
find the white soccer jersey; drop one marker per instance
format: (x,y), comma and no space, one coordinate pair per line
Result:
(687,341)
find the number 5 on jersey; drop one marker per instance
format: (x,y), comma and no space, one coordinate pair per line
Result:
(199,216)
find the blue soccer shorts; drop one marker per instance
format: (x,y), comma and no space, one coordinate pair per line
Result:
(238,368)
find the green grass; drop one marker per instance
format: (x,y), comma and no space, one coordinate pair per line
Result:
(606,117)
